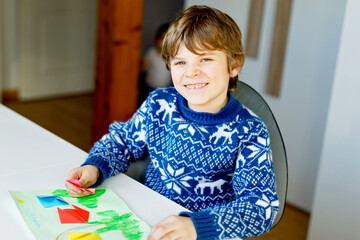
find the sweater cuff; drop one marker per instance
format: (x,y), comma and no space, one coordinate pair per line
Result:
(205,224)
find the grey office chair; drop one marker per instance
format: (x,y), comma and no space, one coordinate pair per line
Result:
(250,98)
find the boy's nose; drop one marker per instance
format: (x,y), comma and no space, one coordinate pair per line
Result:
(192,71)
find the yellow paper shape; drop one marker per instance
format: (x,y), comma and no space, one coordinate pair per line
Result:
(20,200)
(84,236)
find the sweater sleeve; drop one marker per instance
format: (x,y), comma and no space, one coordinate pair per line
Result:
(125,142)
(255,206)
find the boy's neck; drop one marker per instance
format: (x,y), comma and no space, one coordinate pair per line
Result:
(214,109)
(226,114)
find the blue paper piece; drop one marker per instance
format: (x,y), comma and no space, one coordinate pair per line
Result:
(51,201)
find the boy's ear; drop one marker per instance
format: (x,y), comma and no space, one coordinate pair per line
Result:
(236,67)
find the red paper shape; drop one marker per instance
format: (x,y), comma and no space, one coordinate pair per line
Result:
(76,183)
(77,215)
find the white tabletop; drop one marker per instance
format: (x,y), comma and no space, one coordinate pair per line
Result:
(35,159)
(25,145)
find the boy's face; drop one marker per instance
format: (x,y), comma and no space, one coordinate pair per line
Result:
(202,79)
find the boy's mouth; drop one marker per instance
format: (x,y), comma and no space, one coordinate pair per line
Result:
(196,85)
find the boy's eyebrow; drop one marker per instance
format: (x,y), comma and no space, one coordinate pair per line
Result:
(206,53)
(176,58)
(200,54)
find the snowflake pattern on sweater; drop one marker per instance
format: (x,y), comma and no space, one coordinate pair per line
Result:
(219,166)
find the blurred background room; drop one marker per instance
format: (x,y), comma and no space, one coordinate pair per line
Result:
(73,67)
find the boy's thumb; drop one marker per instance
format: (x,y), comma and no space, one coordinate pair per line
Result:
(82,181)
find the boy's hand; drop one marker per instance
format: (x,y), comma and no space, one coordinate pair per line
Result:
(173,227)
(87,176)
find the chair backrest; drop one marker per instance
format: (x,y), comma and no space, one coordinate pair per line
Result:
(251,99)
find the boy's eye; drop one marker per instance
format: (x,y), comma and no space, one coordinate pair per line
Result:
(206,59)
(179,63)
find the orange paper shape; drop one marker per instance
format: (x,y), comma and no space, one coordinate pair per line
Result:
(77,215)
(76,183)
(84,236)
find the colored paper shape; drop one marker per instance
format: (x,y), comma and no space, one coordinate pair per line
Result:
(51,201)
(76,183)
(84,236)
(76,215)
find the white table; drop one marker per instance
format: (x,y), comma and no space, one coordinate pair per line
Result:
(34,159)
(25,146)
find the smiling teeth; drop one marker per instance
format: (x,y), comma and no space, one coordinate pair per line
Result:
(195,86)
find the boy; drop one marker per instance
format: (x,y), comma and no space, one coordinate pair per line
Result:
(208,153)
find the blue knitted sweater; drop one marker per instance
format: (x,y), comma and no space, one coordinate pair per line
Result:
(219,166)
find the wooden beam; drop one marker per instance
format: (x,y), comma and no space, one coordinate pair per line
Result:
(254,28)
(10,95)
(117,62)
(283,12)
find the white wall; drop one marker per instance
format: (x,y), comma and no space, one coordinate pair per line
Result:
(10,63)
(1,46)
(336,209)
(301,109)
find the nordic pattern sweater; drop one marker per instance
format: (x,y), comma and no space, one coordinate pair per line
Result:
(219,166)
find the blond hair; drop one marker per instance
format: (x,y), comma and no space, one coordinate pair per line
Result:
(203,27)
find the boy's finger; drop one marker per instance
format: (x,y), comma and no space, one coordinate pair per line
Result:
(77,193)
(86,180)
(72,194)
(72,189)
(71,186)
(83,181)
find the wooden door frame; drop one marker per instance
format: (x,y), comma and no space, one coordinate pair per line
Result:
(119,28)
